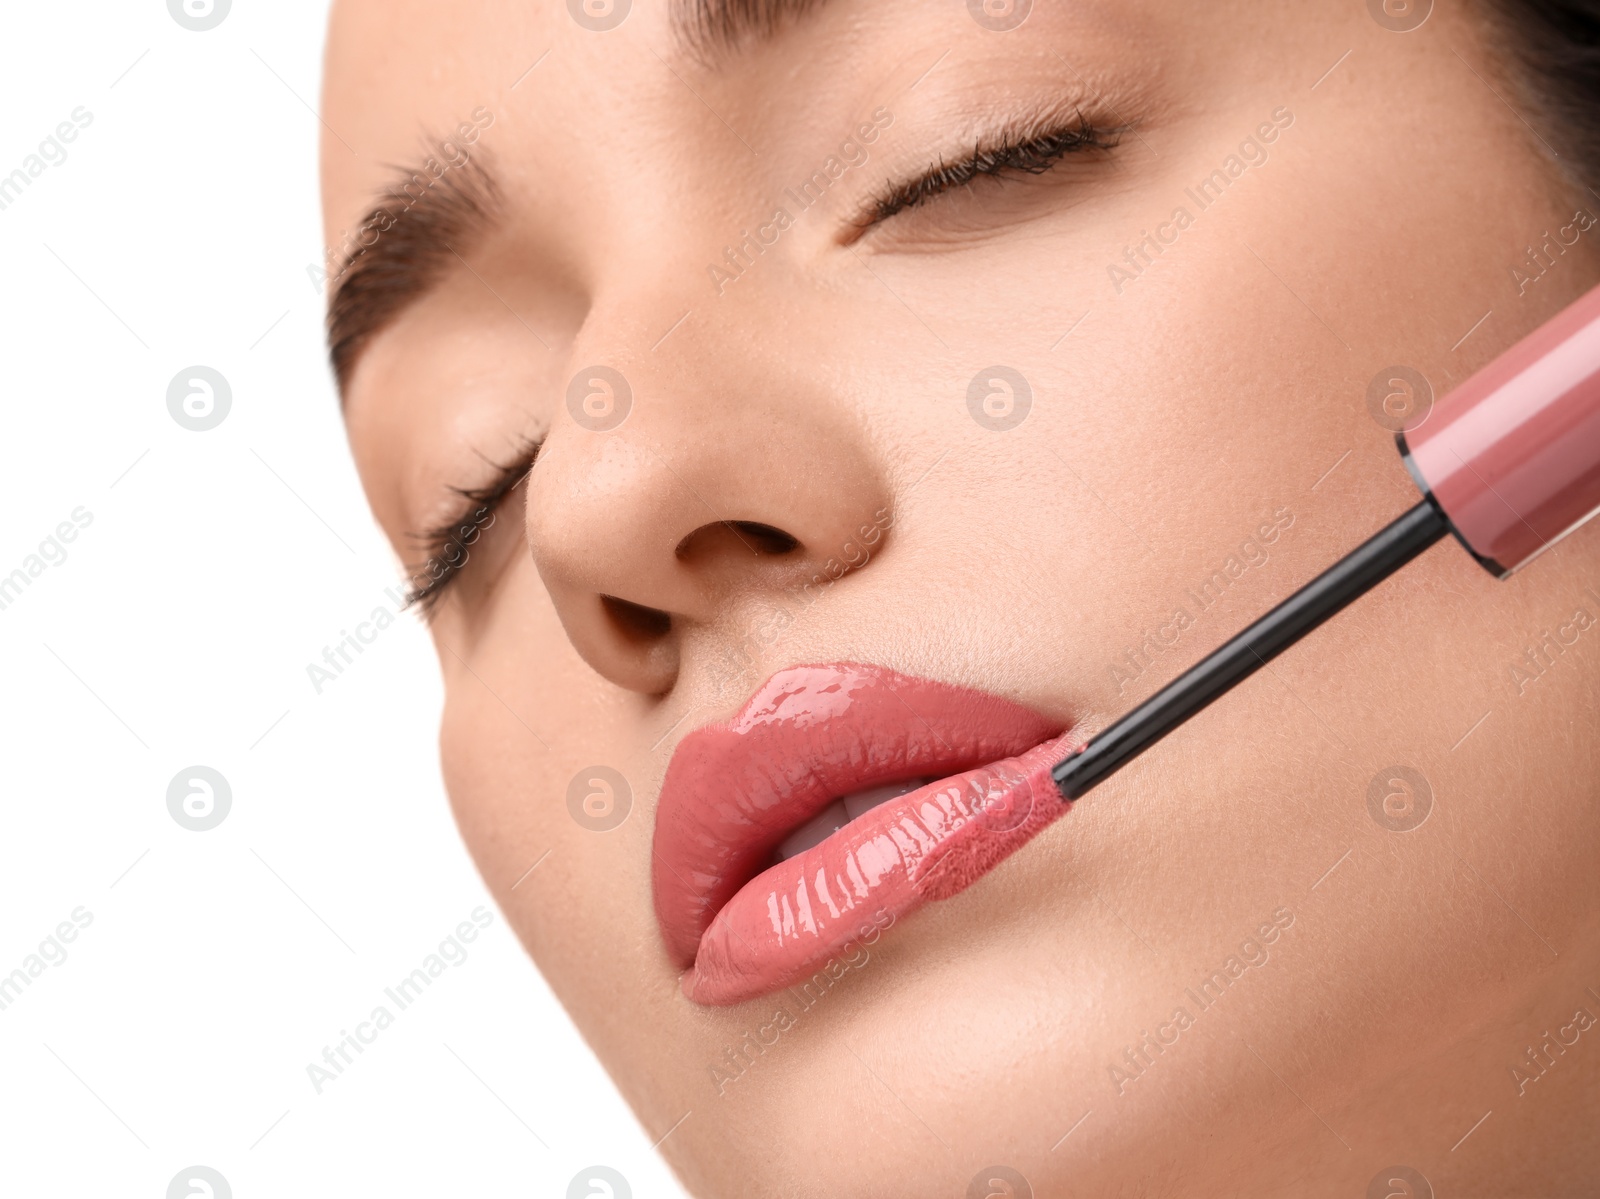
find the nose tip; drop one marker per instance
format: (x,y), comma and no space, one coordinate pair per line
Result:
(663,523)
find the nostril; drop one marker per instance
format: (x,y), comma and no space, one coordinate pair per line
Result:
(636,622)
(767,539)
(743,535)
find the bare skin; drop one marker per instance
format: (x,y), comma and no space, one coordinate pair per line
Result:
(1217,384)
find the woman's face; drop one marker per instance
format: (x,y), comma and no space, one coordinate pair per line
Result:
(999,453)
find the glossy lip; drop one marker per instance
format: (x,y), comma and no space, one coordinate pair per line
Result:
(743,927)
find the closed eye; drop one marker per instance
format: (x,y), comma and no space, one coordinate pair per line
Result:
(1024,151)
(448,546)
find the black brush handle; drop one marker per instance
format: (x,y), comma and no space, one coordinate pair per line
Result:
(1341,584)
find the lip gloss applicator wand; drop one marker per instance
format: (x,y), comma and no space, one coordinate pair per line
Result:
(1509,462)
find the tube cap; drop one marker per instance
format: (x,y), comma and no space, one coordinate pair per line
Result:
(1512,456)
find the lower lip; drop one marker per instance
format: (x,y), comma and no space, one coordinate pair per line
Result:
(930,844)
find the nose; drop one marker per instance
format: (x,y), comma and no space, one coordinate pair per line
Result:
(675,486)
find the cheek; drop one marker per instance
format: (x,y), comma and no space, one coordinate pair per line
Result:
(496,780)
(516,724)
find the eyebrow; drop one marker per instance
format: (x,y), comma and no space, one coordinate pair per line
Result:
(404,245)
(425,217)
(708,26)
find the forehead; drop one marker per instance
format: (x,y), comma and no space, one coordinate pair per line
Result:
(401,73)
(703,79)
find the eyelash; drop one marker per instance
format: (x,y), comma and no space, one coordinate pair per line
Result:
(1023,152)
(1026,152)
(446,545)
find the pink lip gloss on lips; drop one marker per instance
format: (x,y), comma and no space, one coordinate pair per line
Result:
(842,796)
(921,788)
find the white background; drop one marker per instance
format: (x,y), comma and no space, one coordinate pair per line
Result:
(177,631)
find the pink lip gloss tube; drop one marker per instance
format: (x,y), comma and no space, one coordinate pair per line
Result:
(1512,456)
(1509,462)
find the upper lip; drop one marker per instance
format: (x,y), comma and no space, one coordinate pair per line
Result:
(809,736)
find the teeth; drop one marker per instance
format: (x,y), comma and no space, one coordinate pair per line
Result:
(840,813)
(815,831)
(865,801)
